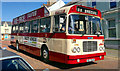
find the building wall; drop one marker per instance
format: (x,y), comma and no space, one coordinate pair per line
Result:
(0,29)
(5,31)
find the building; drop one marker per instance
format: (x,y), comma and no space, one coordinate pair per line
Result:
(0,29)
(111,13)
(5,30)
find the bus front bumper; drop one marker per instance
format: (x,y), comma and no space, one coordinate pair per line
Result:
(84,58)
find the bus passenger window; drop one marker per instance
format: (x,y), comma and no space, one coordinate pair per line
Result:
(27,27)
(34,26)
(21,28)
(16,28)
(13,28)
(60,23)
(45,25)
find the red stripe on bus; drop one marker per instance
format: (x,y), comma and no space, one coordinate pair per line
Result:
(86,56)
(72,59)
(63,58)
(58,35)
(73,10)
(84,37)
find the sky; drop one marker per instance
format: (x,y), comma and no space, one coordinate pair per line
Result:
(11,10)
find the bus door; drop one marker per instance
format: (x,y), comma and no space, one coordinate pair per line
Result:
(59,30)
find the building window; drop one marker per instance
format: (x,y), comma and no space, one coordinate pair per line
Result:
(112,3)
(6,30)
(111,28)
(94,3)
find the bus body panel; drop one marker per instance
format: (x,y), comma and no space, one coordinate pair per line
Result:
(60,45)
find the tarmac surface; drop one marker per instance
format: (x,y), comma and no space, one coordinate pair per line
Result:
(110,61)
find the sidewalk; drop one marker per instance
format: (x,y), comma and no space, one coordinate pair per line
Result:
(112,52)
(4,43)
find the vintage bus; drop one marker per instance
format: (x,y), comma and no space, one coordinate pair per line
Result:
(71,35)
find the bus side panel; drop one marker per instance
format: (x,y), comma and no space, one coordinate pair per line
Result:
(58,57)
(30,49)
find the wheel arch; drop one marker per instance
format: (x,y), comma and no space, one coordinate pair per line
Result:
(44,46)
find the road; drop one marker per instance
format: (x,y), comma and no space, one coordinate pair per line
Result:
(110,61)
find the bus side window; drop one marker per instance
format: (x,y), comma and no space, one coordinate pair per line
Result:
(56,25)
(60,23)
(13,28)
(27,27)
(16,29)
(34,26)
(45,24)
(21,28)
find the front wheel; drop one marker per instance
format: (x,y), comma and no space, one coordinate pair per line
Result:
(45,55)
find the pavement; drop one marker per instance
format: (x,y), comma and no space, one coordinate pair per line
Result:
(112,52)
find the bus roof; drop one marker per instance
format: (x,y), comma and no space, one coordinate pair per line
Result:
(35,14)
(72,9)
(44,12)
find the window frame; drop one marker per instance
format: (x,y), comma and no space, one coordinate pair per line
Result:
(110,5)
(23,25)
(49,25)
(111,28)
(31,24)
(28,25)
(53,29)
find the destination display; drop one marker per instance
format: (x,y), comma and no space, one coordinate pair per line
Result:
(85,10)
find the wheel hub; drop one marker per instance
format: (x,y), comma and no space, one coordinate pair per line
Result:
(45,54)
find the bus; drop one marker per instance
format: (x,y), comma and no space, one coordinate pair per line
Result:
(71,35)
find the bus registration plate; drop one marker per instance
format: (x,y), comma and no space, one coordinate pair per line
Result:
(90,60)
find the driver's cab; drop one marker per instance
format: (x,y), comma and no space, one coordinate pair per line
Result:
(84,24)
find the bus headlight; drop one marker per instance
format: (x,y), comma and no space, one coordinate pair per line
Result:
(101,48)
(75,49)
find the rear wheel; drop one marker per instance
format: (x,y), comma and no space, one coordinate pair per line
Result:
(17,46)
(45,54)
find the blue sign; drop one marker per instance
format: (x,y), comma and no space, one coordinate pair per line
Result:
(6,36)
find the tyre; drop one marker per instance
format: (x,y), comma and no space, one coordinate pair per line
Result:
(45,54)
(17,46)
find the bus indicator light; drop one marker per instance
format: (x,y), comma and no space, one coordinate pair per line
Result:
(74,41)
(78,60)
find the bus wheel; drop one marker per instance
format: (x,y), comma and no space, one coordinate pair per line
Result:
(45,55)
(17,46)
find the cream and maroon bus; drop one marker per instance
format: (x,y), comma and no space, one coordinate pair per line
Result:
(71,35)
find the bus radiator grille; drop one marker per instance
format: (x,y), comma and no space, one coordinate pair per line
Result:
(89,46)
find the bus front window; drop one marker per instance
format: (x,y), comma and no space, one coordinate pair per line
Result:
(82,24)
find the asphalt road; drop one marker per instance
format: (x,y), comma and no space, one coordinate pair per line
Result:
(110,61)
